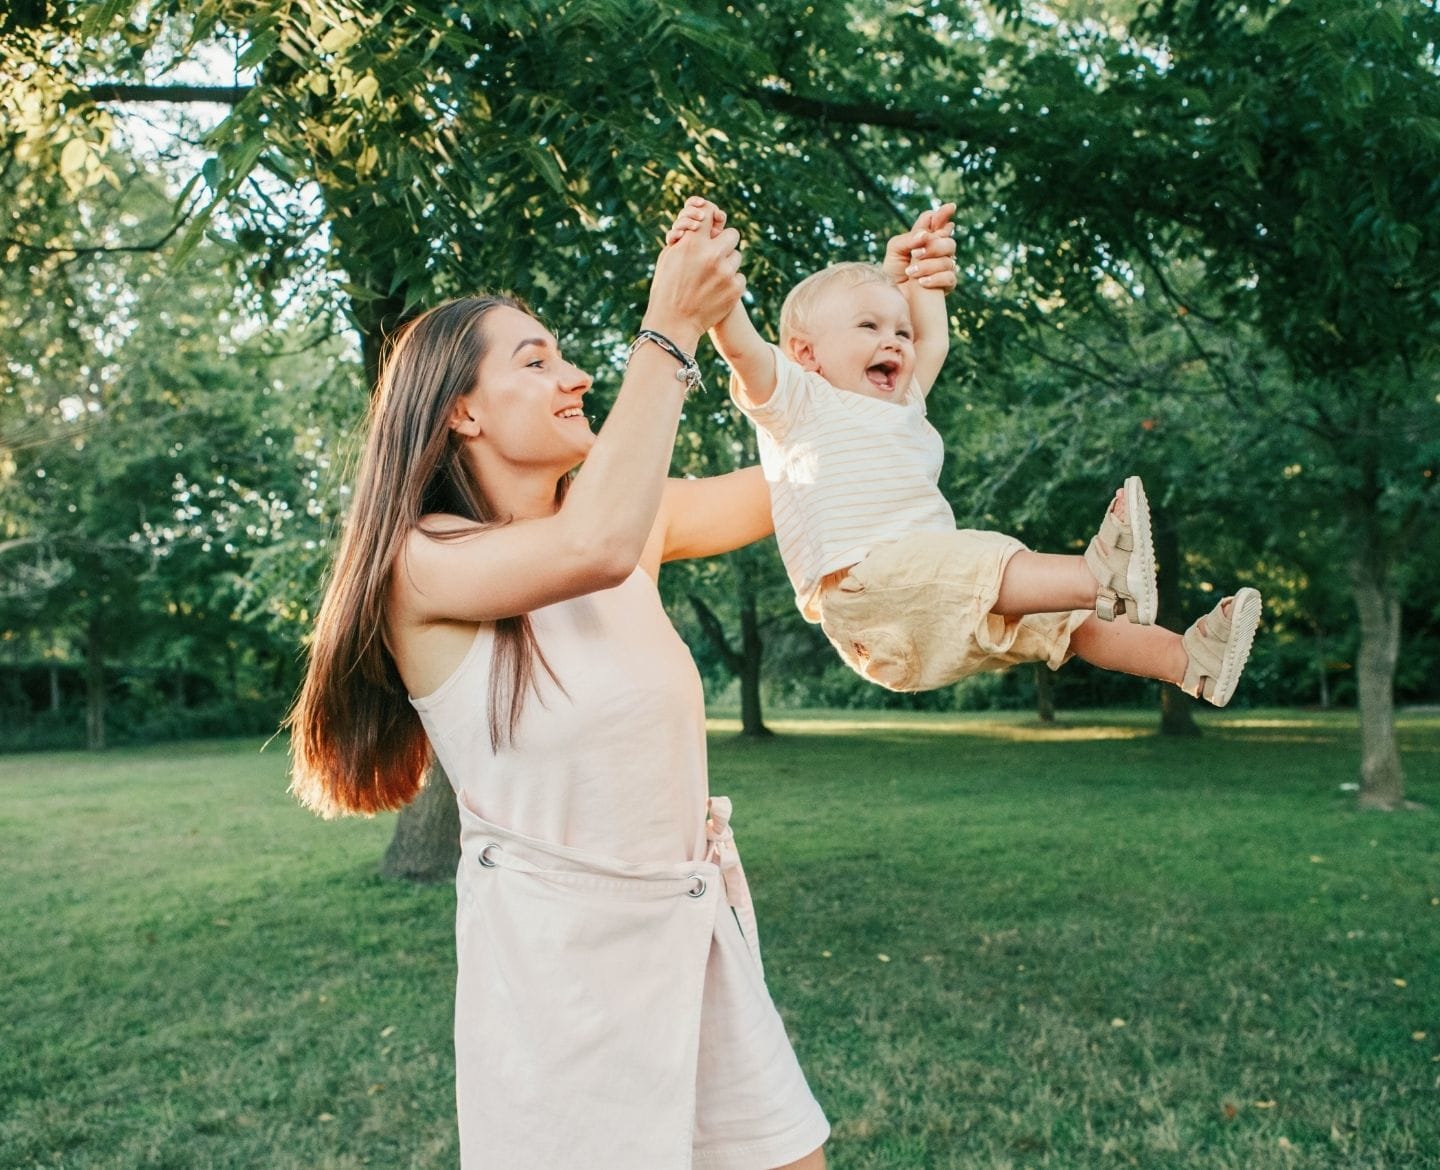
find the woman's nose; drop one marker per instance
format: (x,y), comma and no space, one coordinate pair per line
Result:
(577,381)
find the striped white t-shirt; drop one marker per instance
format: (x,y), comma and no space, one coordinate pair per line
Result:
(846,472)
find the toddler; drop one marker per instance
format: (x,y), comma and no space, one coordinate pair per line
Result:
(870,543)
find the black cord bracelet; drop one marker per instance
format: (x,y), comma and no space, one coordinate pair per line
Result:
(689,371)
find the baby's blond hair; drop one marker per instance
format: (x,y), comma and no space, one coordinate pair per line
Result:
(797,313)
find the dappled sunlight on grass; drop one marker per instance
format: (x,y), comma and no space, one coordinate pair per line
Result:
(1242,726)
(1033,732)
(992,727)
(1056,732)
(1272,722)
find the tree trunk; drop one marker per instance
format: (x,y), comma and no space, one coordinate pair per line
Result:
(1177,709)
(54,688)
(1322,670)
(1382,780)
(380,318)
(94,685)
(426,844)
(752,720)
(1044,693)
(744,663)
(1177,712)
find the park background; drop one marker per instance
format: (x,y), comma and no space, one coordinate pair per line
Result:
(1028,920)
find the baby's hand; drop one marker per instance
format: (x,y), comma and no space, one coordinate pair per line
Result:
(926,253)
(691,216)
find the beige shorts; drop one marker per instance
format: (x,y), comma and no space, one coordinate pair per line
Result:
(915,615)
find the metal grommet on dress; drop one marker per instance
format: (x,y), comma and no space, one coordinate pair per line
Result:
(485,859)
(698,889)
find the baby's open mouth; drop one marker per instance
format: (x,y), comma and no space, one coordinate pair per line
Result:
(883,375)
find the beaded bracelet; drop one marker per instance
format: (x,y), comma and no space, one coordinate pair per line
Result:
(689,371)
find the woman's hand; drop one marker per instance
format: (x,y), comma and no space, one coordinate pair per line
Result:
(697,279)
(690,217)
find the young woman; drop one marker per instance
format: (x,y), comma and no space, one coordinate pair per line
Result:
(611,1009)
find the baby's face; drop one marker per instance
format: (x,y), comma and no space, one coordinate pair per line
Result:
(860,339)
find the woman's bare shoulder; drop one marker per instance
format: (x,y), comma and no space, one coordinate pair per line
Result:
(424,551)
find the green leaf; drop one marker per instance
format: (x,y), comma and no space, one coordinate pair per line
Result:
(340,37)
(258,49)
(243,160)
(73,156)
(549,171)
(99,19)
(1388,23)
(278,165)
(193,234)
(1249,153)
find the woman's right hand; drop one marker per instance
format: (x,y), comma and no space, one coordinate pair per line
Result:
(697,280)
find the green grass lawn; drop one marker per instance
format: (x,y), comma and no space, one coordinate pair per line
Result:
(996,944)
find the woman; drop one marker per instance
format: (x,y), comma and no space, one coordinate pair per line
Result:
(610,1007)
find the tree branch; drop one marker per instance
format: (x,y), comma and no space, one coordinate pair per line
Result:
(865,179)
(226,95)
(20,542)
(80,543)
(153,246)
(715,632)
(100,248)
(858,113)
(1186,303)
(1106,374)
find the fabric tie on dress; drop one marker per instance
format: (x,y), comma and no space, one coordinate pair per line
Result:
(723,853)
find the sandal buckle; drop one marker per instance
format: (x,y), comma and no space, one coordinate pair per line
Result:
(1107,605)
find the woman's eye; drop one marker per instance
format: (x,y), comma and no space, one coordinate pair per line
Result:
(537,364)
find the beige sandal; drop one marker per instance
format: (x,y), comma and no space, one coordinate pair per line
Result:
(1218,645)
(1122,557)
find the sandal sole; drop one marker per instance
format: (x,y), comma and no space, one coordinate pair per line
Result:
(1140,574)
(1244,620)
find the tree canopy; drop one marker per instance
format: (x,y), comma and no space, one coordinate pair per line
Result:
(1198,237)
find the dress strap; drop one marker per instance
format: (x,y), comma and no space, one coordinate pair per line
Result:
(723,853)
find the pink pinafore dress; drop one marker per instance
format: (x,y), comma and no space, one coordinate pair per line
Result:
(610,1008)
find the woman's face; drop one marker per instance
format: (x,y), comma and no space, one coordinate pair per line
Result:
(526,407)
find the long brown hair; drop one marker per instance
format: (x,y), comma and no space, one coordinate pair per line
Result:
(357,744)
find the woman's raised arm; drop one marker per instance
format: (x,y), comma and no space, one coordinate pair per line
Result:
(507,428)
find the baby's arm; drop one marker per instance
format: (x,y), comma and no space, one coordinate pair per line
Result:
(749,354)
(736,337)
(922,263)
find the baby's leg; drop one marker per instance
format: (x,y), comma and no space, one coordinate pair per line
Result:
(1044,583)
(1146,651)
(1049,582)
(1206,661)
(1116,574)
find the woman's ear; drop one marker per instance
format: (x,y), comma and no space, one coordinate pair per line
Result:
(463,420)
